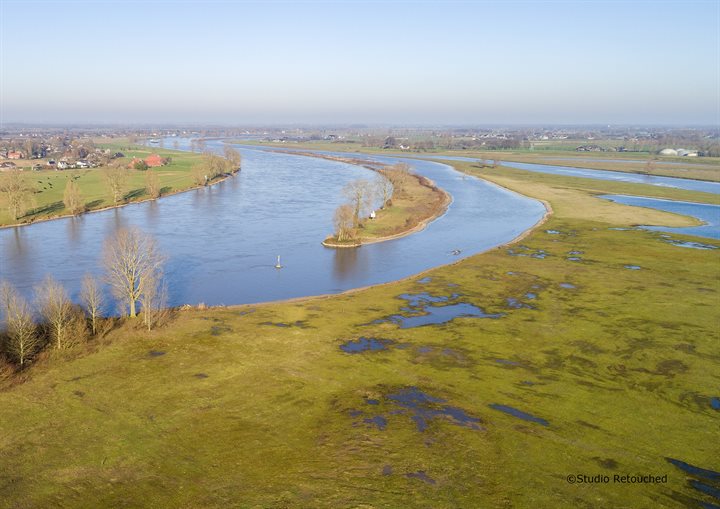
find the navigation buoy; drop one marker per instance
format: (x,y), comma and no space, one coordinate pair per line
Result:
(277,265)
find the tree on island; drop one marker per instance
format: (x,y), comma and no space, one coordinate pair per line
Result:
(344,221)
(359,194)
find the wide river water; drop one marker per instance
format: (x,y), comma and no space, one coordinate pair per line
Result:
(222,241)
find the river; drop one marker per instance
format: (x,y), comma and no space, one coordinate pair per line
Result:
(222,241)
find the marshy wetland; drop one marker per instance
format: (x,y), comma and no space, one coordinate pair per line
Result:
(335,402)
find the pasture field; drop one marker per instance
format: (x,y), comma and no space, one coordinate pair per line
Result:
(49,185)
(593,351)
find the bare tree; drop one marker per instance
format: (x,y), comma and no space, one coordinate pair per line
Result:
(116,178)
(344,221)
(22,339)
(384,189)
(199,175)
(18,193)
(213,165)
(132,261)
(152,184)
(92,298)
(72,197)
(153,300)
(56,309)
(650,166)
(359,193)
(233,158)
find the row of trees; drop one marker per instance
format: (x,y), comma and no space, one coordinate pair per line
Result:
(213,166)
(361,196)
(134,272)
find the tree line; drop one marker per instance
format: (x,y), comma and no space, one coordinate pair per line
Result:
(133,271)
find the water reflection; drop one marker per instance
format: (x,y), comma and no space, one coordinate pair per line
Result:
(345,263)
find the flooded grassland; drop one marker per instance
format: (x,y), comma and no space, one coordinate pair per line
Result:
(485,383)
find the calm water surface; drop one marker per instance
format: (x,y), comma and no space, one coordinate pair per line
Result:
(709,214)
(222,241)
(618,176)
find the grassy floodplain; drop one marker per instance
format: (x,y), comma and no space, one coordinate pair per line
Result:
(258,406)
(50,184)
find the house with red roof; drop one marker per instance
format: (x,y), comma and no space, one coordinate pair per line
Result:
(154,161)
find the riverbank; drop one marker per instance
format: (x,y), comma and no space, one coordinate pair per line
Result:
(576,366)
(173,178)
(415,202)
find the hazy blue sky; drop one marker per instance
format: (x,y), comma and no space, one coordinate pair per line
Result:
(343,61)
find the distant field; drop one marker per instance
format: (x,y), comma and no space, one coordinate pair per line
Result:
(50,184)
(702,168)
(584,367)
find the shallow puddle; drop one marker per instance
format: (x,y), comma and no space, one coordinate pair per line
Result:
(423,408)
(696,471)
(425,280)
(715,403)
(691,245)
(527,251)
(706,481)
(436,315)
(507,362)
(378,420)
(421,475)
(633,267)
(516,304)
(519,414)
(156,353)
(363,344)
(567,285)
(432,315)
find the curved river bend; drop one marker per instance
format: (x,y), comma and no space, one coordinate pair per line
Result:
(222,241)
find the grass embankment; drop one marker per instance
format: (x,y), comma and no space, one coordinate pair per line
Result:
(705,168)
(242,412)
(50,184)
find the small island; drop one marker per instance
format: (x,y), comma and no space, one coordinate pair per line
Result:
(397,204)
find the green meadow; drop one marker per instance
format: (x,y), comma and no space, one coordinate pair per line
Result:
(259,407)
(49,185)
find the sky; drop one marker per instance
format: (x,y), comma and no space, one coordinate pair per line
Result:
(373,62)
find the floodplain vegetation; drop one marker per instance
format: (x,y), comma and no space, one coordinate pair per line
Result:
(596,355)
(28,196)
